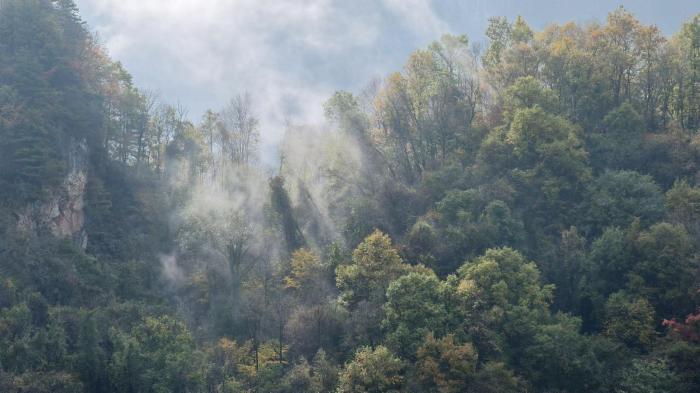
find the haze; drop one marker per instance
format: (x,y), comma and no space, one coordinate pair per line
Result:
(292,55)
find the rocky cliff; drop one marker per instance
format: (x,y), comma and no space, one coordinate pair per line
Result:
(62,213)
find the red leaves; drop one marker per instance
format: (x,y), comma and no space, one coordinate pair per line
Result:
(690,330)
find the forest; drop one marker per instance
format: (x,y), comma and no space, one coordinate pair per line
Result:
(520,216)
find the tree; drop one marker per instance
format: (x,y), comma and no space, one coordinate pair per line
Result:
(664,273)
(629,320)
(505,301)
(618,198)
(503,278)
(688,330)
(651,46)
(610,259)
(41,382)
(284,215)
(375,264)
(527,92)
(549,163)
(425,112)
(687,95)
(620,143)
(566,270)
(238,131)
(570,66)
(683,206)
(47,101)
(324,374)
(158,355)
(92,361)
(543,164)
(306,271)
(560,358)
(621,54)
(298,378)
(363,284)
(421,242)
(417,304)
(499,35)
(649,376)
(682,349)
(372,371)
(230,362)
(344,110)
(445,366)
(656,265)
(208,128)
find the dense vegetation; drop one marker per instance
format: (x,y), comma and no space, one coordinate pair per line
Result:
(522,218)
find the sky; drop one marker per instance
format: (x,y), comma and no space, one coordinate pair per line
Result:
(292,55)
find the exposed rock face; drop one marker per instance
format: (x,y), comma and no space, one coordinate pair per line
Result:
(62,213)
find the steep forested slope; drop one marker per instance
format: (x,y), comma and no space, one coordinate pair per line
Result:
(522,218)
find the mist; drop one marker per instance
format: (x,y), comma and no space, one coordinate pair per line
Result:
(291,56)
(331,196)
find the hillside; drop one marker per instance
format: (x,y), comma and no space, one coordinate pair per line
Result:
(522,216)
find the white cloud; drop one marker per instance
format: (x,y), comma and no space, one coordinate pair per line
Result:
(290,55)
(419,16)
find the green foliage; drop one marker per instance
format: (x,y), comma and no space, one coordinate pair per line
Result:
(282,208)
(686,102)
(364,217)
(551,163)
(565,270)
(344,109)
(445,366)
(306,271)
(298,378)
(503,278)
(527,92)
(683,206)
(649,376)
(664,271)
(416,305)
(619,145)
(318,377)
(324,373)
(496,377)
(629,320)
(683,359)
(375,264)
(57,269)
(618,198)
(503,292)
(421,243)
(372,371)
(41,382)
(426,111)
(560,358)
(91,360)
(611,257)
(471,221)
(655,265)
(499,35)
(575,147)
(157,356)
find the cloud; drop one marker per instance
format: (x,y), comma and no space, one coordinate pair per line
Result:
(290,55)
(170,269)
(419,16)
